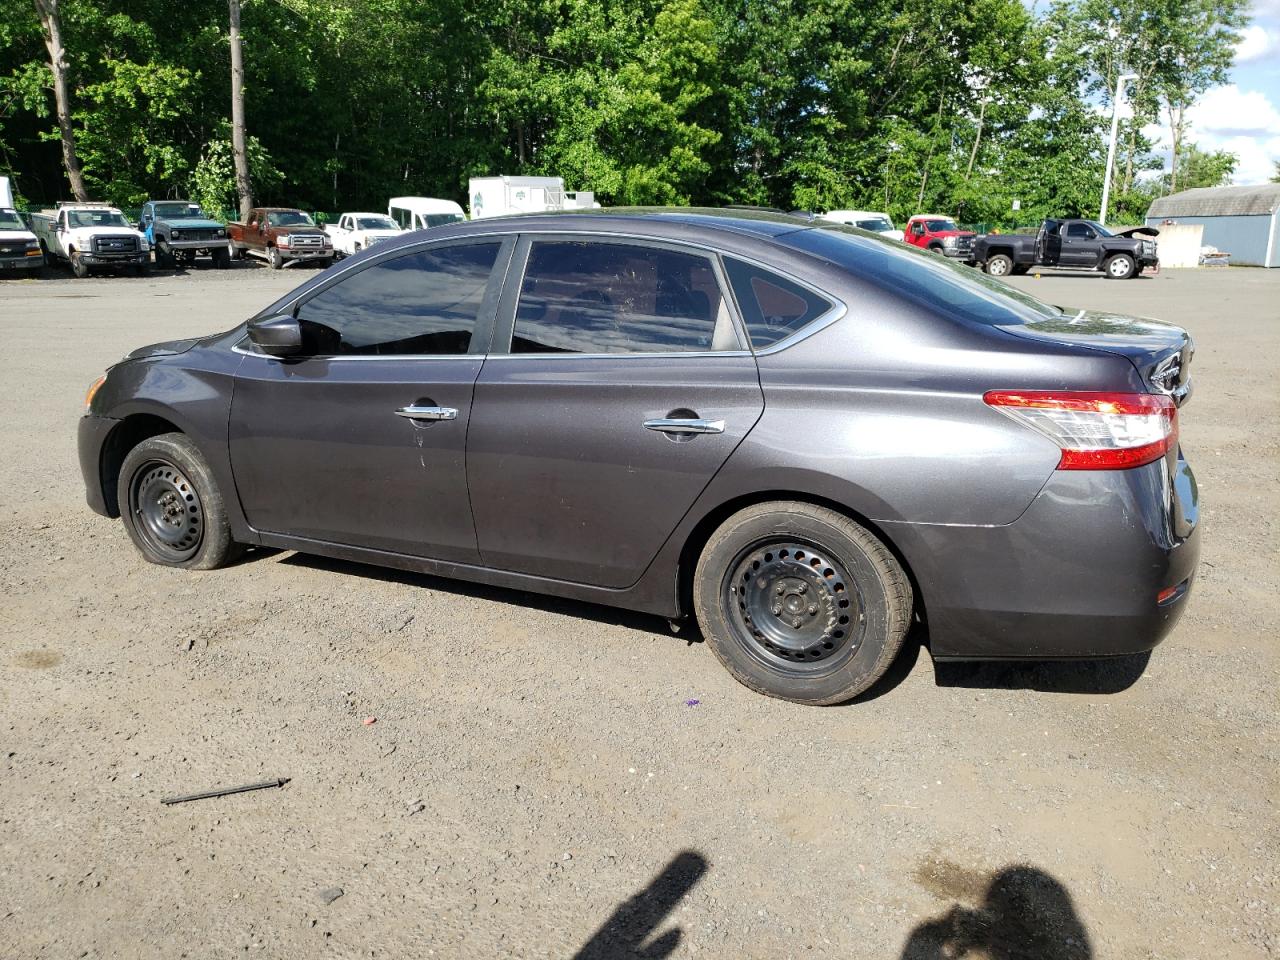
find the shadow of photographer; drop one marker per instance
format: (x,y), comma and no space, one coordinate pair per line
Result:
(1025,915)
(637,919)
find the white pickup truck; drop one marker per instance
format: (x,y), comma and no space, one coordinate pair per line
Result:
(358,231)
(91,236)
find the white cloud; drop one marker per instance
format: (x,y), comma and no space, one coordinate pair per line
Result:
(1229,111)
(1256,44)
(1243,122)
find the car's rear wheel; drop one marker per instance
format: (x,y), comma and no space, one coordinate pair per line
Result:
(999,265)
(801,603)
(171,506)
(1120,267)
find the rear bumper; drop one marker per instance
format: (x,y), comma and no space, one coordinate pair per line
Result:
(91,435)
(1077,575)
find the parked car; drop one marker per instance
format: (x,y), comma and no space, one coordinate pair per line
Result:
(865,220)
(281,236)
(91,236)
(423,213)
(805,436)
(179,232)
(19,248)
(358,231)
(1074,244)
(939,234)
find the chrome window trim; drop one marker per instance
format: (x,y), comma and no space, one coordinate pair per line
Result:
(838,308)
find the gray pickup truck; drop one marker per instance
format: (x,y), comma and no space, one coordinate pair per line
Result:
(1071,244)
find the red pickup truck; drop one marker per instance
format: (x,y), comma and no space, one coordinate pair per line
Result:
(941,235)
(279,235)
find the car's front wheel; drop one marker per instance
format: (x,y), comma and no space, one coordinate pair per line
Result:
(1120,267)
(172,507)
(274,259)
(801,603)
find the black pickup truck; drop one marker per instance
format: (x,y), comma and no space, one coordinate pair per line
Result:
(1075,244)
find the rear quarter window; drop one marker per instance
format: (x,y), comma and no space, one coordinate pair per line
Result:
(772,306)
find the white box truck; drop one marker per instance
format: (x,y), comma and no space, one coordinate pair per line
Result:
(504,196)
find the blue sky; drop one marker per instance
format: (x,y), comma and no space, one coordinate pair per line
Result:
(1242,116)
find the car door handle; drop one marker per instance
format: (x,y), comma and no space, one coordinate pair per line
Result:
(669,425)
(414,412)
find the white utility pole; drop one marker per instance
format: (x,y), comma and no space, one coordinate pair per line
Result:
(1111,148)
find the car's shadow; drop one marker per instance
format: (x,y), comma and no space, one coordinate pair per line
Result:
(1111,675)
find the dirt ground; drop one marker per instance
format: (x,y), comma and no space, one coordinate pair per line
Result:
(539,781)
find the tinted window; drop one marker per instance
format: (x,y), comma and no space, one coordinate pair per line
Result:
(1078,230)
(772,306)
(592,297)
(935,282)
(424,302)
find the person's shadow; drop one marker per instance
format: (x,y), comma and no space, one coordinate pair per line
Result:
(638,918)
(1025,915)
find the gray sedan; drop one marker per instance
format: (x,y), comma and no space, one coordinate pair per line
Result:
(804,435)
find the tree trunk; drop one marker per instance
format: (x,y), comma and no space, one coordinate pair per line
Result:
(244,188)
(51,21)
(1176,124)
(977,139)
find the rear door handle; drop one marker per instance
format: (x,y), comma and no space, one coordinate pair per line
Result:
(669,425)
(414,412)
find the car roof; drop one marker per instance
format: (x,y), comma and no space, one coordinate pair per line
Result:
(424,204)
(363,213)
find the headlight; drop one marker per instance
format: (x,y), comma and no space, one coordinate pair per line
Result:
(177,234)
(144,246)
(33,244)
(950,241)
(93,391)
(282,241)
(219,233)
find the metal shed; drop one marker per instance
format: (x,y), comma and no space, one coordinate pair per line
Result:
(1241,221)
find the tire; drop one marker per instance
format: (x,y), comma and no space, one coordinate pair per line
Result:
(274,259)
(356,248)
(1119,267)
(78,266)
(164,257)
(999,265)
(221,258)
(935,248)
(171,506)
(234,252)
(816,568)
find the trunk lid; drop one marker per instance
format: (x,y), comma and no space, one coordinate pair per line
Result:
(1161,352)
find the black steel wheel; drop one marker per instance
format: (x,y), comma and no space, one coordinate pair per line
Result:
(792,605)
(166,509)
(172,507)
(800,602)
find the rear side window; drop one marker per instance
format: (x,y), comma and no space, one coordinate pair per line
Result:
(420,303)
(772,306)
(602,297)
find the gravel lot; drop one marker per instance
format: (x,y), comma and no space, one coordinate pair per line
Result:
(537,786)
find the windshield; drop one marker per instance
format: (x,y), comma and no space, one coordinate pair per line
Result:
(376,223)
(877,225)
(440,219)
(289,218)
(9,220)
(179,211)
(940,284)
(937,226)
(95,218)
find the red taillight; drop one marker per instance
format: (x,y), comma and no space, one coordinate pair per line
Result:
(1095,431)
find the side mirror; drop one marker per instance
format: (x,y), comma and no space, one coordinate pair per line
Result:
(278,336)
